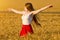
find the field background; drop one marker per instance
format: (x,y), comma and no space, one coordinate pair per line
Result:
(10,23)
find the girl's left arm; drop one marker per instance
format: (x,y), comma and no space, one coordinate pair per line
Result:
(16,11)
(39,10)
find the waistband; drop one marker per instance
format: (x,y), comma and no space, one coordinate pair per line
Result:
(26,25)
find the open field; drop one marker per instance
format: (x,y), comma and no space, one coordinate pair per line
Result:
(10,23)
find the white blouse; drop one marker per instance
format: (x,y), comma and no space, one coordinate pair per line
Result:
(27,18)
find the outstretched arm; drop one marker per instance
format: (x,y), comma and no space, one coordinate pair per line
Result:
(39,10)
(16,11)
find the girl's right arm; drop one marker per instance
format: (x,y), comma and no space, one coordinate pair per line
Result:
(41,9)
(16,11)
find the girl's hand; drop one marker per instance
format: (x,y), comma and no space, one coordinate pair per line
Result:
(50,6)
(9,9)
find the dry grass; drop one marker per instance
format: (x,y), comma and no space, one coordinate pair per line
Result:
(10,25)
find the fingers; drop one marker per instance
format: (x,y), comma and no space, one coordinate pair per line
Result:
(50,5)
(9,9)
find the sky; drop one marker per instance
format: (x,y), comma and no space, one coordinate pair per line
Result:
(19,4)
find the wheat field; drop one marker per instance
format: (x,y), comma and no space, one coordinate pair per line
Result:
(10,23)
(10,26)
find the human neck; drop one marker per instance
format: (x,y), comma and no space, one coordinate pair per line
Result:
(27,11)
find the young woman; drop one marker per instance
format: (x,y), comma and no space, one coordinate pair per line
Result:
(27,16)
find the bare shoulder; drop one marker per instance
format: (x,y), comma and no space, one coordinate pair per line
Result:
(23,12)
(33,12)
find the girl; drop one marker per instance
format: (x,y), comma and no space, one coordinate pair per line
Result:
(27,16)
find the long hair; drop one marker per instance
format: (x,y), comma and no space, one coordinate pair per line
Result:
(30,8)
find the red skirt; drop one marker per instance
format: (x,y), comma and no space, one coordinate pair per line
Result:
(25,30)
